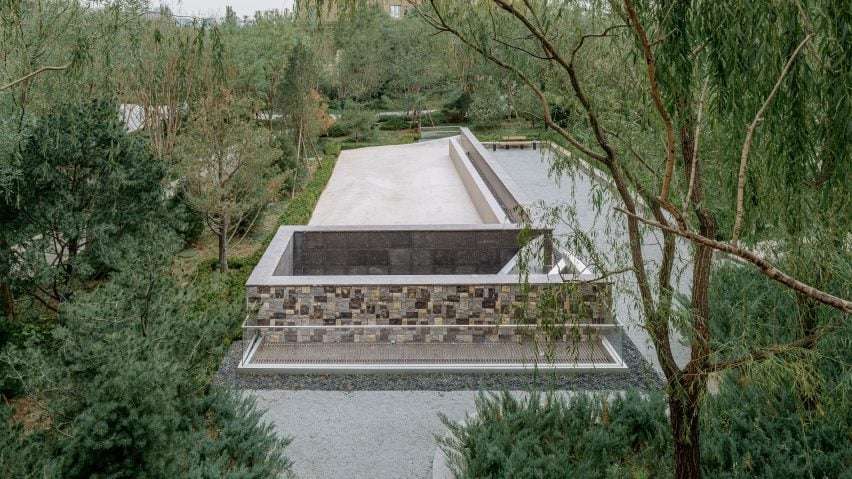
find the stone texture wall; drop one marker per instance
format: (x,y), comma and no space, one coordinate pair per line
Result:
(458,306)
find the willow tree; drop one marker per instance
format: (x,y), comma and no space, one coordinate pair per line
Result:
(721,125)
(159,77)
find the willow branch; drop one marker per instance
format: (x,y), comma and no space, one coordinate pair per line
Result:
(34,73)
(806,342)
(741,175)
(767,268)
(694,165)
(657,97)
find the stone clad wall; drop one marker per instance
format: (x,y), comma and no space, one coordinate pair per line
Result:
(456,306)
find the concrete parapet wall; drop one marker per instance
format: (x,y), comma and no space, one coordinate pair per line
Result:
(492,175)
(486,204)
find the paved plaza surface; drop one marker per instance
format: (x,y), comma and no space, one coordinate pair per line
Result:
(413,184)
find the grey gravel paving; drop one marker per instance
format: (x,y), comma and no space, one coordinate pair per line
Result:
(381,426)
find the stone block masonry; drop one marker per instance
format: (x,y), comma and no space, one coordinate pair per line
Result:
(434,313)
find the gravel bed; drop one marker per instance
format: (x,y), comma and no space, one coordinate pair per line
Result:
(640,375)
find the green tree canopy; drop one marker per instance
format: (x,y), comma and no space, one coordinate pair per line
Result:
(84,184)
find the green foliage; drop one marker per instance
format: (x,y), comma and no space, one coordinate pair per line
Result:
(125,380)
(84,185)
(304,110)
(457,110)
(20,452)
(301,206)
(287,162)
(385,61)
(551,436)
(331,148)
(747,433)
(787,416)
(488,106)
(355,122)
(183,219)
(395,123)
(751,432)
(362,65)
(259,51)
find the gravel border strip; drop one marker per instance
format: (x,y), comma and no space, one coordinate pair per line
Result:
(640,375)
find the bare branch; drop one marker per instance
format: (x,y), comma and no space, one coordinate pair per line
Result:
(694,163)
(583,38)
(764,266)
(741,175)
(658,100)
(522,49)
(36,72)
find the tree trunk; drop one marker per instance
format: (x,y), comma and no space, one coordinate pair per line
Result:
(684,405)
(8,301)
(684,409)
(298,154)
(6,295)
(223,245)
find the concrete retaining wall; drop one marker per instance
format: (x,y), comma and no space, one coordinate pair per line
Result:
(486,204)
(492,175)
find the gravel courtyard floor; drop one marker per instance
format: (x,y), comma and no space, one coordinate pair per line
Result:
(384,425)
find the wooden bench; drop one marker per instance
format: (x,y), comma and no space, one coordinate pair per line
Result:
(514,142)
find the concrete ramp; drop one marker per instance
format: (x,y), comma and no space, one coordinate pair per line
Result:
(414,184)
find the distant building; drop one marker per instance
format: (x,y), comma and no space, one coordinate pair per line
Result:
(394,8)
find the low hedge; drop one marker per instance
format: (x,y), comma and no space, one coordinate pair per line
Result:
(544,436)
(301,206)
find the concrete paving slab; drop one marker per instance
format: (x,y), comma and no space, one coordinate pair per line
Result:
(413,184)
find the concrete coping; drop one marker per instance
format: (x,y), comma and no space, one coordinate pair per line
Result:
(264,274)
